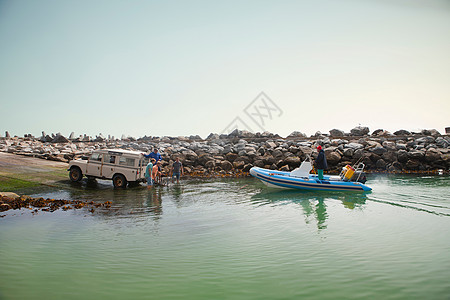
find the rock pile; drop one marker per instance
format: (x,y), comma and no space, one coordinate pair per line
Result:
(237,152)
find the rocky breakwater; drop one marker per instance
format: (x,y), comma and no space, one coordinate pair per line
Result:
(235,153)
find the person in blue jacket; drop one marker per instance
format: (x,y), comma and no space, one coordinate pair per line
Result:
(155,155)
(321,162)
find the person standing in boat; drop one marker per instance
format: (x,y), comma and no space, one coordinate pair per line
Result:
(321,162)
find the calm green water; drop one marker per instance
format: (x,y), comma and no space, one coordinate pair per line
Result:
(234,239)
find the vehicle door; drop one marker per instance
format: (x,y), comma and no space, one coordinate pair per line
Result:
(128,167)
(142,165)
(94,165)
(109,165)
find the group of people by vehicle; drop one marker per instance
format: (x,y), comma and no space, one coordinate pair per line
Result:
(153,171)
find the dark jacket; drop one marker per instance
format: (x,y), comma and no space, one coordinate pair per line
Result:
(321,161)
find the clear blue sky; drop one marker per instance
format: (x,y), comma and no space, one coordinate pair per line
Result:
(191,67)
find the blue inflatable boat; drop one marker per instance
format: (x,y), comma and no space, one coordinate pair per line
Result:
(350,179)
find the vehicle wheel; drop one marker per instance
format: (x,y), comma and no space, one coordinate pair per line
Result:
(75,174)
(119,181)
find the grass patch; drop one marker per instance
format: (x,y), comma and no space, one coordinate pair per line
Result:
(14,180)
(10,184)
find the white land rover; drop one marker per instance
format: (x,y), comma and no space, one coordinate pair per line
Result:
(122,166)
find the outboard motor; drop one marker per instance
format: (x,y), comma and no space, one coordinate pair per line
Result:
(359,176)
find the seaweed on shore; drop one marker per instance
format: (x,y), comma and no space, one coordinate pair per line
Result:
(49,205)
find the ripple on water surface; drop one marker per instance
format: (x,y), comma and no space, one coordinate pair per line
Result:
(234,238)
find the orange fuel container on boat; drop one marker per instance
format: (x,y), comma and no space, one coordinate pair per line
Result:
(349,173)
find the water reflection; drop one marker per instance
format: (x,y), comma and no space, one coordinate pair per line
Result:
(154,203)
(177,191)
(314,205)
(132,201)
(315,211)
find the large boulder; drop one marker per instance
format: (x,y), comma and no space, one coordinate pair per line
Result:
(416,154)
(412,164)
(389,156)
(357,154)
(231,156)
(425,140)
(432,132)
(211,164)
(277,153)
(379,150)
(271,145)
(213,136)
(389,145)
(226,165)
(296,134)
(259,163)
(402,132)
(235,133)
(247,168)
(60,139)
(336,133)
(380,132)
(333,158)
(432,155)
(293,149)
(189,155)
(241,133)
(349,152)
(446,159)
(239,164)
(354,146)
(402,156)
(442,143)
(305,151)
(46,138)
(381,164)
(284,168)
(293,161)
(359,131)
(268,159)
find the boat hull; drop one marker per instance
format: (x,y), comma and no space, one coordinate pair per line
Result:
(279,179)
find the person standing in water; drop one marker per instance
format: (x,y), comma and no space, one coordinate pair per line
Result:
(177,169)
(148,173)
(157,173)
